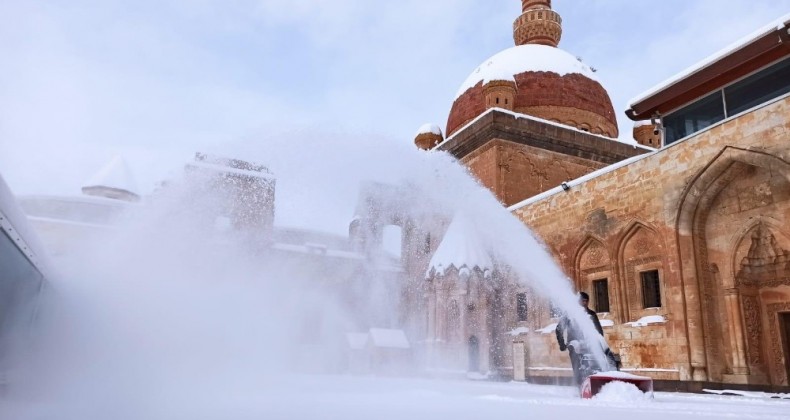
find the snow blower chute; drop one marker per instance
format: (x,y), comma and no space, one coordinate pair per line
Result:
(596,376)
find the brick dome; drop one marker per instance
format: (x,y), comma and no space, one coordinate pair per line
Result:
(549,83)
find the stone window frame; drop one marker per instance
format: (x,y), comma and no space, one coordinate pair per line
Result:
(636,308)
(605,273)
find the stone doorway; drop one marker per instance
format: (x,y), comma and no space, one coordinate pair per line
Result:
(784,324)
(474,354)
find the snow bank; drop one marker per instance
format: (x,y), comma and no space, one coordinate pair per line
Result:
(520,330)
(748,394)
(620,392)
(524,58)
(548,329)
(647,320)
(386,338)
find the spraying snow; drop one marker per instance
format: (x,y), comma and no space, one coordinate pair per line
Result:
(176,310)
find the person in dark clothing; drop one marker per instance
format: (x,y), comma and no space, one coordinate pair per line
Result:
(569,331)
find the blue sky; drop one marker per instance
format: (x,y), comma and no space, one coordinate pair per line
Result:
(155,81)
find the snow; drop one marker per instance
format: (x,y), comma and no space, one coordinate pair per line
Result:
(524,58)
(548,329)
(778,24)
(460,248)
(607,323)
(368,397)
(621,392)
(357,341)
(520,330)
(429,129)
(307,249)
(116,174)
(533,118)
(620,375)
(388,338)
(230,170)
(748,394)
(642,123)
(647,320)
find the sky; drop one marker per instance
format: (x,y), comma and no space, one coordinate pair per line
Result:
(155,81)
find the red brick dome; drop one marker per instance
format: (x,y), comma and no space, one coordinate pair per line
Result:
(549,83)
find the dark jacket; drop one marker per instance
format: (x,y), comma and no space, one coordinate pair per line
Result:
(567,330)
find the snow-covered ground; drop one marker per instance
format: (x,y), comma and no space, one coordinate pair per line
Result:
(346,397)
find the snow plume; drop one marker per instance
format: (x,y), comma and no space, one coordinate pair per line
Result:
(175,311)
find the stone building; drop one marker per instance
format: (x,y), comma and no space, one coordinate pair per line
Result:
(683,248)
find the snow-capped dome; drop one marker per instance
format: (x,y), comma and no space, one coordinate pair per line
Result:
(549,83)
(461,248)
(525,58)
(428,136)
(114,180)
(536,78)
(429,129)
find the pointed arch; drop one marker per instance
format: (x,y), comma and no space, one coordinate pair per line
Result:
(640,251)
(694,273)
(594,273)
(590,242)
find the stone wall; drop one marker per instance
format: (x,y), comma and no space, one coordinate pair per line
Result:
(683,211)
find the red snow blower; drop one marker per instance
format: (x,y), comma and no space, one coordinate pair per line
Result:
(593,384)
(596,376)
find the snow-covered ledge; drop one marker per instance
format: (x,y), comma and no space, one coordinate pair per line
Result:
(647,320)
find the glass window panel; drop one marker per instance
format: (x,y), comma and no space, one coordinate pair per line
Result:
(651,289)
(521,306)
(758,88)
(694,117)
(601,293)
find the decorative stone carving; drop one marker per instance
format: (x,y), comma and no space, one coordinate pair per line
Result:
(776,352)
(595,255)
(766,263)
(754,329)
(643,246)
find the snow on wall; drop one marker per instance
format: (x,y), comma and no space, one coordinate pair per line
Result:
(647,320)
(387,338)
(116,174)
(524,58)
(548,329)
(460,248)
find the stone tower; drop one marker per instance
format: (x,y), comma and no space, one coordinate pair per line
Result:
(538,24)
(646,133)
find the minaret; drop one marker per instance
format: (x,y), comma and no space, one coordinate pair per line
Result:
(538,24)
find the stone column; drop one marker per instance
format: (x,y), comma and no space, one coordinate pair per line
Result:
(430,336)
(464,344)
(691,294)
(732,299)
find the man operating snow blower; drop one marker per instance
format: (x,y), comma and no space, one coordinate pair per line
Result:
(591,371)
(570,337)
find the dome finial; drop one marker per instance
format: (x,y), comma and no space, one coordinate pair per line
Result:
(538,24)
